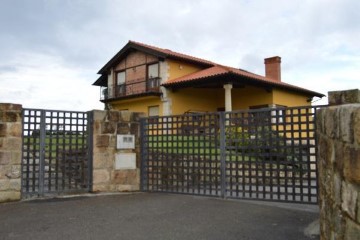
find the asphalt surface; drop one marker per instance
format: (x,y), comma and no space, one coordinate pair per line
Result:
(154,216)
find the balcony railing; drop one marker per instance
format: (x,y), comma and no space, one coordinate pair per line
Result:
(130,89)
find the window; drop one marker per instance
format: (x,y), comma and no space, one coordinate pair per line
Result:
(120,77)
(153,71)
(153,111)
(120,80)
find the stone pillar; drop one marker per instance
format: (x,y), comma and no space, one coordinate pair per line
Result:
(228,103)
(10,151)
(107,175)
(338,131)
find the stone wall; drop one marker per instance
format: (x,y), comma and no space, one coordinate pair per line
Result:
(338,129)
(10,151)
(107,175)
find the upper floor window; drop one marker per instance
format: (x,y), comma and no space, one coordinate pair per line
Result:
(120,78)
(120,81)
(153,70)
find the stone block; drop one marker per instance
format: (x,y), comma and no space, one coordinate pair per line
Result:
(338,224)
(326,150)
(349,199)
(16,157)
(101,188)
(3,129)
(339,158)
(358,211)
(9,196)
(337,190)
(128,188)
(344,97)
(99,115)
(113,116)
(15,130)
(97,127)
(112,142)
(356,125)
(4,184)
(5,157)
(345,129)
(100,176)
(135,129)
(10,107)
(15,184)
(125,116)
(11,116)
(108,127)
(352,230)
(4,170)
(320,120)
(102,140)
(12,143)
(331,122)
(14,172)
(123,128)
(352,164)
(129,177)
(103,160)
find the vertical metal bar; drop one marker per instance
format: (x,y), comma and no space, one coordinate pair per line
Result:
(42,152)
(25,152)
(90,134)
(222,153)
(142,154)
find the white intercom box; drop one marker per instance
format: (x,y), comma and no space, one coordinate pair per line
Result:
(125,141)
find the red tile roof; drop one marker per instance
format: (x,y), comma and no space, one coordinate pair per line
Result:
(170,53)
(211,69)
(219,70)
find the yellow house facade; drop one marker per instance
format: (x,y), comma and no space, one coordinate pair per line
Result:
(157,81)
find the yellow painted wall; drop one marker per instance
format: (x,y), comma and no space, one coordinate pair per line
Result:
(243,98)
(179,69)
(289,99)
(196,99)
(138,104)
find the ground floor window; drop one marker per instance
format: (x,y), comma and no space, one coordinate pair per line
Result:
(153,111)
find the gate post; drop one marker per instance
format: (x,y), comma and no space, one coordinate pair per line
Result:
(222,117)
(10,152)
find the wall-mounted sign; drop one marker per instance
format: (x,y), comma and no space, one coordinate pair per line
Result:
(126,141)
(125,161)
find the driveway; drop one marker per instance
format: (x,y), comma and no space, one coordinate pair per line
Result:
(153,216)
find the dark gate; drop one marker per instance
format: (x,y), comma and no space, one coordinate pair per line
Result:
(265,154)
(56,154)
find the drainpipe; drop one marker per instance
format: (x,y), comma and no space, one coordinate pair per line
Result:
(228,104)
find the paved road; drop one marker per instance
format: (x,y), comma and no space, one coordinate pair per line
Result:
(152,216)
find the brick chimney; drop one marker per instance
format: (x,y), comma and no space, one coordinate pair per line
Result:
(273,68)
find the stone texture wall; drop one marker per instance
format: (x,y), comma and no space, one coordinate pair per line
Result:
(106,126)
(338,129)
(10,151)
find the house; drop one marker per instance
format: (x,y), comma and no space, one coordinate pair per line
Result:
(157,81)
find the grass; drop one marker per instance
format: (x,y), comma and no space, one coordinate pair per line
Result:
(193,145)
(184,144)
(55,142)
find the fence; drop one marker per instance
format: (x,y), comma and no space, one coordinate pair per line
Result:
(266,154)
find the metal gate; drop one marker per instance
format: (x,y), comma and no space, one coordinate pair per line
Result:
(264,154)
(56,152)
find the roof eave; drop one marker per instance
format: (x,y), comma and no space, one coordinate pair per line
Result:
(124,50)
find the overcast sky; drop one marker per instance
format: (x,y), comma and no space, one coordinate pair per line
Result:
(51,50)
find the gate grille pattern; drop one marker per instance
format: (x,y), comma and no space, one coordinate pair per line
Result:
(266,154)
(55,156)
